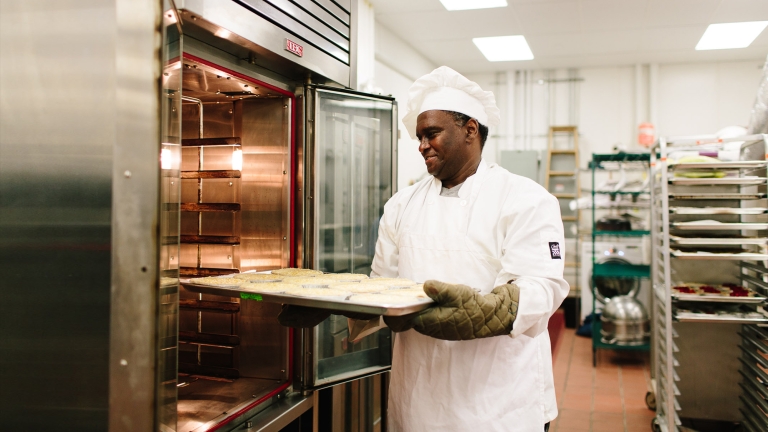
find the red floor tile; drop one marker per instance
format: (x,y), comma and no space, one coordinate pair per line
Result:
(606,398)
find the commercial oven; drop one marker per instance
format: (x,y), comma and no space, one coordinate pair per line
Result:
(235,144)
(280,166)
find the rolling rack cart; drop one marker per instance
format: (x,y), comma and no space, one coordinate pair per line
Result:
(710,283)
(615,269)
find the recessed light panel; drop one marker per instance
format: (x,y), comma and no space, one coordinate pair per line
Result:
(504,48)
(453,5)
(730,35)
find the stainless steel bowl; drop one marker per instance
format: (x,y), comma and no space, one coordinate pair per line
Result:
(624,322)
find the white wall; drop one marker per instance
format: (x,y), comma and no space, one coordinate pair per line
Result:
(690,99)
(607,104)
(397,65)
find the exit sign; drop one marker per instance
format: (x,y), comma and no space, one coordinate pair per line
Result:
(293,47)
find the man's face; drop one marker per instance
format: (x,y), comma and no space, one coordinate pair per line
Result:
(442,143)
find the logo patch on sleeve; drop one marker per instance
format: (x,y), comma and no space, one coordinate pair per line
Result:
(554,250)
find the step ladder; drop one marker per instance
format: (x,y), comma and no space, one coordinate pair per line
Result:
(561,178)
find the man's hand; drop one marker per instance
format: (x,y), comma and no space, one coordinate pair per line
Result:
(308,317)
(462,313)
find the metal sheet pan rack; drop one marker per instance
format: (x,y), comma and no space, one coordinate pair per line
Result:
(710,230)
(599,162)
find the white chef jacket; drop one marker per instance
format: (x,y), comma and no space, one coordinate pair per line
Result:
(501,227)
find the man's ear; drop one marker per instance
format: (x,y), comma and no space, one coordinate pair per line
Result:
(473,129)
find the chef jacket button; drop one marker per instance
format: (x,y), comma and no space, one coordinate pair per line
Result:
(463,203)
(430,202)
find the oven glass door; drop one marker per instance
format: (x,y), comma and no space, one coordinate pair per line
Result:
(353,156)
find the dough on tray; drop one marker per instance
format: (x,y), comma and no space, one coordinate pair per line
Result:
(315,281)
(218,281)
(393,282)
(316,292)
(381,299)
(269,287)
(345,276)
(408,292)
(259,277)
(360,288)
(297,272)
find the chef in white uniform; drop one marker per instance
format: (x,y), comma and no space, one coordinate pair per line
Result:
(480,360)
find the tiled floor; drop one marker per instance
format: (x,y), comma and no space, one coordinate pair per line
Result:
(608,398)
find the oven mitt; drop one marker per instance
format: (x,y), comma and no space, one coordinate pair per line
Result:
(308,317)
(461,313)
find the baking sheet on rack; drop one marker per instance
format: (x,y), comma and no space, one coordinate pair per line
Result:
(716,240)
(718,165)
(715,225)
(719,256)
(717,181)
(717,298)
(707,318)
(333,303)
(718,210)
(715,196)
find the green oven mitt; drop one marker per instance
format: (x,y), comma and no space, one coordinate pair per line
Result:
(462,313)
(308,317)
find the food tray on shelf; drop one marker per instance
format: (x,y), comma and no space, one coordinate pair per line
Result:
(706,318)
(249,291)
(706,255)
(718,210)
(731,241)
(718,165)
(715,196)
(716,225)
(723,313)
(717,181)
(716,294)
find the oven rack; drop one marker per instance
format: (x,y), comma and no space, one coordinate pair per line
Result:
(675,201)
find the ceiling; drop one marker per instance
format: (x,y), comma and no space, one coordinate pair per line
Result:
(573,33)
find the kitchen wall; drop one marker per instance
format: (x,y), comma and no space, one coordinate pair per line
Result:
(607,103)
(695,98)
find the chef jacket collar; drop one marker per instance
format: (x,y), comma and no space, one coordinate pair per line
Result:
(470,184)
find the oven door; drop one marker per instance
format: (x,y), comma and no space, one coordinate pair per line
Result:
(350,156)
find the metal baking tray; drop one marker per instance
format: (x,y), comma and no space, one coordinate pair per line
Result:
(720,226)
(718,210)
(718,165)
(721,319)
(711,298)
(715,196)
(337,304)
(693,241)
(717,181)
(718,256)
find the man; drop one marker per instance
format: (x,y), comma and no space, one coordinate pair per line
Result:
(477,361)
(488,246)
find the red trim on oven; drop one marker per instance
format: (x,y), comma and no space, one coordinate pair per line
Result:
(292,243)
(247,408)
(239,75)
(293,145)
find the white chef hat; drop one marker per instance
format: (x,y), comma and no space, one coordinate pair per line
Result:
(447,90)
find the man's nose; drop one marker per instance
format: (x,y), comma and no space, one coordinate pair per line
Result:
(423,144)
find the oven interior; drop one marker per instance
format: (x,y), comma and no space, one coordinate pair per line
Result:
(235,207)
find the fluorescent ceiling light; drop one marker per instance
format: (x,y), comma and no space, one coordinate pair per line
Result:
(452,5)
(730,35)
(504,48)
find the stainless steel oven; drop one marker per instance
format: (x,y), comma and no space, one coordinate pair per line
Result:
(281,165)
(156,141)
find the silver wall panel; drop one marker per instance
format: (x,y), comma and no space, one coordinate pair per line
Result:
(80,101)
(57,129)
(135,216)
(251,38)
(337,11)
(324,42)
